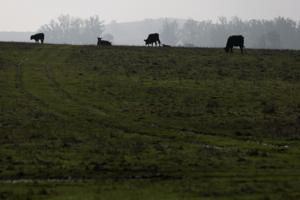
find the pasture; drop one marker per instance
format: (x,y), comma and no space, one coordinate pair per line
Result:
(81,122)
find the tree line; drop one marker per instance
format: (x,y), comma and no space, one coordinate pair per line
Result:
(278,33)
(73,30)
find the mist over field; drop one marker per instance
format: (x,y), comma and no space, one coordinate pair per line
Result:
(277,33)
(270,24)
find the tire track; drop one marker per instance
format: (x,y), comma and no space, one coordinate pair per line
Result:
(20,85)
(65,94)
(50,76)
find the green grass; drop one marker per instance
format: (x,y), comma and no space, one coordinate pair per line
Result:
(148,123)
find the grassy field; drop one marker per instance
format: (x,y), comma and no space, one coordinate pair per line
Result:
(81,122)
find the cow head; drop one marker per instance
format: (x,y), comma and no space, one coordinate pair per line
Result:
(226,49)
(31,37)
(147,41)
(99,41)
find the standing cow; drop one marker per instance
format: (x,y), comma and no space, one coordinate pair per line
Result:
(38,37)
(235,41)
(103,42)
(152,38)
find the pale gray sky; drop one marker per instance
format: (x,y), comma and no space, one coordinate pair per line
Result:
(29,15)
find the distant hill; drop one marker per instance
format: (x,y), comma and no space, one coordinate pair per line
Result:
(15,36)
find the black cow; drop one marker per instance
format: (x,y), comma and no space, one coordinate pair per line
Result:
(38,37)
(152,38)
(235,41)
(103,42)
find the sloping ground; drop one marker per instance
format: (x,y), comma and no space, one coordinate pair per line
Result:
(197,122)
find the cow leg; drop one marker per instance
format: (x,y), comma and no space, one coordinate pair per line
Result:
(242,49)
(42,41)
(231,50)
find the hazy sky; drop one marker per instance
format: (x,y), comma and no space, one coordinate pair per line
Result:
(29,15)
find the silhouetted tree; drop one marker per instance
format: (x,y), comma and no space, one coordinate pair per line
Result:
(170,32)
(219,33)
(273,40)
(190,33)
(204,37)
(286,28)
(67,29)
(277,33)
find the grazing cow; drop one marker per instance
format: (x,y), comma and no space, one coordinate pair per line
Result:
(103,42)
(152,38)
(38,37)
(235,41)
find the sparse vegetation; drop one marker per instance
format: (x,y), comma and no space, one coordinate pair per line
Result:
(81,122)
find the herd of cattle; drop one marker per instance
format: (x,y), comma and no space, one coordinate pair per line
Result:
(153,38)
